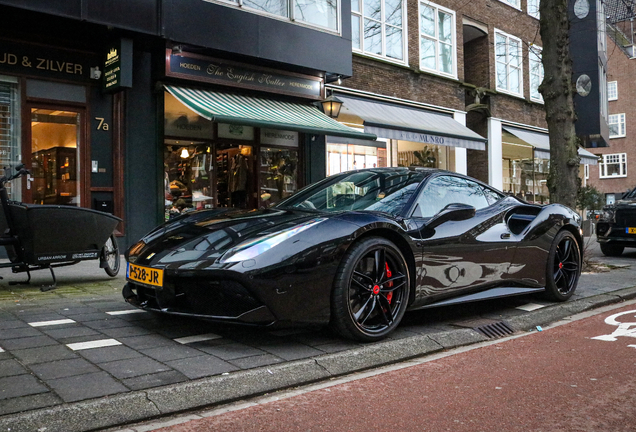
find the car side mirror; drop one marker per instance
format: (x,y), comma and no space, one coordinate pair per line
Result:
(452,212)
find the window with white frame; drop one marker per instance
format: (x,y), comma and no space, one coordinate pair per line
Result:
(533,8)
(378,28)
(536,72)
(514,3)
(613,165)
(616,124)
(437,39)
(586,171)
(612,90)
(320,13)
(508,60)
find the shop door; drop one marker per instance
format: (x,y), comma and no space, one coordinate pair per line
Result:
(53,152)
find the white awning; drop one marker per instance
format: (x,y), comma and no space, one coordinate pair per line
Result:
(541,143)
(410,124)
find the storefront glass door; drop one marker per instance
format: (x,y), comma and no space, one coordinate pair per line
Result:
(54,157)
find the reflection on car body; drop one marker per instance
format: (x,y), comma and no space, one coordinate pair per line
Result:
(357,250)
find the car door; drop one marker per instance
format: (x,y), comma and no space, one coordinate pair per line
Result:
(460,255)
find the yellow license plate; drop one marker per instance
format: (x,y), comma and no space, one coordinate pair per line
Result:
(145,275)
(630,230)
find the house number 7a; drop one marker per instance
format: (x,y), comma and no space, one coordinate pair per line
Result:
(102,124)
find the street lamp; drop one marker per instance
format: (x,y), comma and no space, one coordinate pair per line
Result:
(331,106)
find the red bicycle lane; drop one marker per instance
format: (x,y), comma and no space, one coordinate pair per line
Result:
(571,377)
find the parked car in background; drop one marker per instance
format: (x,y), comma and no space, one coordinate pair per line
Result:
(616,228)
(357,250)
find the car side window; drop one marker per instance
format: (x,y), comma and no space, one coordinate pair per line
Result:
(491,195)
(443,190)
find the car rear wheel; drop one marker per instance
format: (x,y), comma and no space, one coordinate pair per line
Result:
(371,290)
(564,267)
(611,250)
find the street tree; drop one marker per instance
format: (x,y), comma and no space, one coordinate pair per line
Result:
(558,90)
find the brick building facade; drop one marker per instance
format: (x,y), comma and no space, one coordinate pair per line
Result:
(477,62)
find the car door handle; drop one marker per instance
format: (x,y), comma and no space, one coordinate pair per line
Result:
(505,236)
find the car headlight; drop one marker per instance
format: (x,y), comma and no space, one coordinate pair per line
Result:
(253,248)
(608,214)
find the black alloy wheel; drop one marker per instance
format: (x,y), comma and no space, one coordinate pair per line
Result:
(371,290)
(110,256)
(564,267)
(611,250)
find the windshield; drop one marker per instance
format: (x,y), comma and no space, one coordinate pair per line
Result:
(383,191)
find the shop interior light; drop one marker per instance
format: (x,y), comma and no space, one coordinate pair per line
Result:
(331,106)
(184,153)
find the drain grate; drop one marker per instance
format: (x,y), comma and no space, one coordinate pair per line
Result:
(490,328)
(495,330)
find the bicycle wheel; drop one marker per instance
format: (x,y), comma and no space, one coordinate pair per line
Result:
(110,256)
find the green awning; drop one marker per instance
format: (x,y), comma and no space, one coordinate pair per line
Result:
(261,112)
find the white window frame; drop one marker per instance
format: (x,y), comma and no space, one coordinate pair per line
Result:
(613,159)
(617,119)
(612,90)
(238,4)
(438,8)
(383,56)
(534,58)
(519,70)
(512,3)
(586,171)
(533,9)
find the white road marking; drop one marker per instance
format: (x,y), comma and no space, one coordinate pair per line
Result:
(1,350)
(627,329)
(50,323)
(126,312)
(530,307)
(93,344)
(197,338)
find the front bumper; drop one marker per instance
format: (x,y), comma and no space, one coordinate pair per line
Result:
(225,301)
(608,233)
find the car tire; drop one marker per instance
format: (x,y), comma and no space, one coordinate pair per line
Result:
(563,267)
(611,250)
(371,290)
(110,256)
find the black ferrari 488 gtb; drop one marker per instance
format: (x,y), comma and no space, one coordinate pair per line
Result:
(357,250)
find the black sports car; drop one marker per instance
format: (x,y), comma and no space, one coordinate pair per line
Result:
(357,250)
(616,227)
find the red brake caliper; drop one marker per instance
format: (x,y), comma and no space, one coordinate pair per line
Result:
(389,296)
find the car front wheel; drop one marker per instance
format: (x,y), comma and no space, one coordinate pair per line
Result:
(371,290)
(564,267)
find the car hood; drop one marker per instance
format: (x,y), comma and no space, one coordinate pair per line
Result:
(208,234)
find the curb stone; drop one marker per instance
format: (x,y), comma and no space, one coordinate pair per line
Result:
(126,408)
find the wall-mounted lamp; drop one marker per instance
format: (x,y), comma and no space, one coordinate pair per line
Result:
(331,106)
(95,73)
(177,50)
(184,153)
(339,79)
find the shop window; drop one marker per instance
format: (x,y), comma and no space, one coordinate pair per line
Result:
(437,39)
(425,155)
(536,72)
(278,174)
(616,124)
(10,132)
(346,157)
(377,28)
(612,90)
(320,13)
(524,175)
(509,65)
(613,165)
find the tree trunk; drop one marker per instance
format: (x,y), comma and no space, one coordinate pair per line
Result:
(557,90)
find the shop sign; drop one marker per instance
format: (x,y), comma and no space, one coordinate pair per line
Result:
(279,137)
(118,66)
(188,126)
(24,59)
(223,72)
(232,131)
